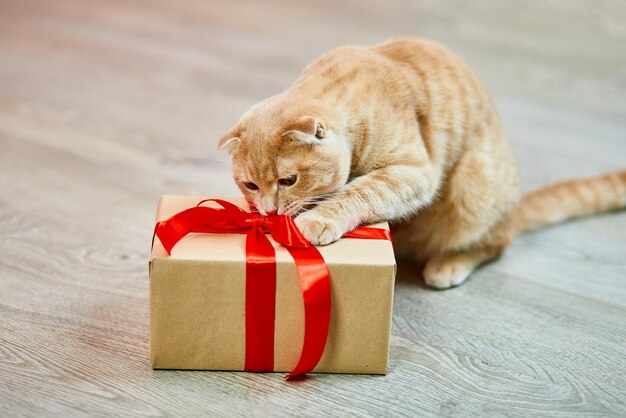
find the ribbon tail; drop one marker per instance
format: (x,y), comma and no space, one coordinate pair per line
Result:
(315,285)
(260,302)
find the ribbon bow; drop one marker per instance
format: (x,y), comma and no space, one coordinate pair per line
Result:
(261,275)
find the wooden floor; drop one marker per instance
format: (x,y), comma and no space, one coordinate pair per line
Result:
(105,105)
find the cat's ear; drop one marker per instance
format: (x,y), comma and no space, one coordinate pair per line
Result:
(307,129)
(230,140)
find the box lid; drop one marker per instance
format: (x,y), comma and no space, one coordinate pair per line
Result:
(231,247)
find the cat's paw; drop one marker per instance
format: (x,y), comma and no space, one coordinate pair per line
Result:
(319,230)
(443,273)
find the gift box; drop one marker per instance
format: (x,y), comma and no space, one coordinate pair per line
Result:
(201,293)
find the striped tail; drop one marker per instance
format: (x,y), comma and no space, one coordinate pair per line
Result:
(572,199)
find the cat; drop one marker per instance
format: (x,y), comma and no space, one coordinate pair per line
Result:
(404,132)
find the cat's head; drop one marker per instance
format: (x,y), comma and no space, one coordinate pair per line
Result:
(286,158)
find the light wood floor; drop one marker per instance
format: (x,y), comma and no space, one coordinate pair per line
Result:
(105,105)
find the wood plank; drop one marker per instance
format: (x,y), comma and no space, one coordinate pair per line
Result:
(106,105)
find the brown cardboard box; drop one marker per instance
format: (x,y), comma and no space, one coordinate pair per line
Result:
(197,302)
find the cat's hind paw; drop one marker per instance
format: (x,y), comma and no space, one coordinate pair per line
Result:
(317,229)
(443,273)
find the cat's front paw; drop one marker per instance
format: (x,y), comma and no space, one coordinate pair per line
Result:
(319,230)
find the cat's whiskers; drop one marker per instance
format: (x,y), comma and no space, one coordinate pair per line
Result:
(297,207)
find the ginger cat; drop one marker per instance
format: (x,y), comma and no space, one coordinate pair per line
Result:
(404,132)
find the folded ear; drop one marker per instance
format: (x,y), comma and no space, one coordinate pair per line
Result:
(307,129)
(229,140)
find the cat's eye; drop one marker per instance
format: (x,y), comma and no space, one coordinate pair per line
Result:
(288,181)
(251,185)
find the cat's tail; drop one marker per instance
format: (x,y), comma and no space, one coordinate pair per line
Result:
(572,199)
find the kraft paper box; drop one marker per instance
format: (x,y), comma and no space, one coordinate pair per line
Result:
(197,302)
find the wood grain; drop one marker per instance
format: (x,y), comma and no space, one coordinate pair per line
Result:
(106,105)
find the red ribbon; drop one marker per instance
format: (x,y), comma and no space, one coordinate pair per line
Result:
(261,275)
